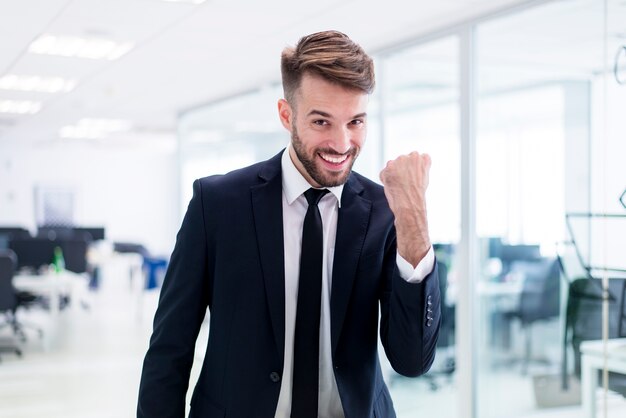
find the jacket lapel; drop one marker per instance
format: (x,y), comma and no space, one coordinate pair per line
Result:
(268,219)
(352,224)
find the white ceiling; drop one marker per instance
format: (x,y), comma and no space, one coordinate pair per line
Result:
(185,54)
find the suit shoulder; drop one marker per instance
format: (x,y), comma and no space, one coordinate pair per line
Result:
(245,177)
(240,177)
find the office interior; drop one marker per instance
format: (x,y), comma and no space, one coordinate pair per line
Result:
(521,105)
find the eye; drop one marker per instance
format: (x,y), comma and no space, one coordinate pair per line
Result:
(320,122)
(357,122)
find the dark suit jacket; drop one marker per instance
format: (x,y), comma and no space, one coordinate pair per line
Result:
(229,257)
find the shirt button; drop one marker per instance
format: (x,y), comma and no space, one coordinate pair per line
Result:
(275,377)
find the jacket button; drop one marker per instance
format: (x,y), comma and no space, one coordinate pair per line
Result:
(275,377)
(429,322)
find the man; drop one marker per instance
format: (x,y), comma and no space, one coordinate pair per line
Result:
(294,276)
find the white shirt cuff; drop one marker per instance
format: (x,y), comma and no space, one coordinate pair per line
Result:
(419,273)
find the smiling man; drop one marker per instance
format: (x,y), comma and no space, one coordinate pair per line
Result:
(299,260)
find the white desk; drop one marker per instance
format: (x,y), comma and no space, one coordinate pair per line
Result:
(592,361)
(52,285)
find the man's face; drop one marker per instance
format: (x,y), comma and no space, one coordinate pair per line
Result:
(328,127)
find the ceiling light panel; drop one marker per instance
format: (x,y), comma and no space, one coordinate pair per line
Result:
(36,83)
(90,128)
(185,1)
(19,107)
(72,46)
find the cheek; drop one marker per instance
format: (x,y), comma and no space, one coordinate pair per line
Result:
(311,138)
(359,137)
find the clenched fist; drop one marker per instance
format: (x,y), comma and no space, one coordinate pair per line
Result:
(405,180)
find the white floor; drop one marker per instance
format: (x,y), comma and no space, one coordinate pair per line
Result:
(91,368)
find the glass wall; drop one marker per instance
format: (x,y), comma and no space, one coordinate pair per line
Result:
(229,134)
(420,96)
(546,167)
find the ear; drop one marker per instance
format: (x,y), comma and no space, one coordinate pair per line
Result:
(285,113)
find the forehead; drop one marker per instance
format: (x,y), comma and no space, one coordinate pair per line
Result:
(316,93)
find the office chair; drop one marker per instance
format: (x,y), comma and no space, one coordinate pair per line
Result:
(539,300)
(13,299)
(584,322)
(8,298)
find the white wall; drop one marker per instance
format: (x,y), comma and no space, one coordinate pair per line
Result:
(131,189)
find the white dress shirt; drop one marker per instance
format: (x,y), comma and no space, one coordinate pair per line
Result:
(294,209)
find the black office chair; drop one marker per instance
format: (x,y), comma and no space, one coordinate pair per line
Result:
(8,298)
(540,297)
(23,299)
(584,321)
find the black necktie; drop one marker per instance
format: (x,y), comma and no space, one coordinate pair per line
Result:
(306,344)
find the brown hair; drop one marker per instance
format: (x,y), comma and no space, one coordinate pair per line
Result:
(330,55)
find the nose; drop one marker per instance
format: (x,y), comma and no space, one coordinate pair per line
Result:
(341,140)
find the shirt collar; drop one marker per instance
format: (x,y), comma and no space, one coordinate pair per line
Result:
(294,184)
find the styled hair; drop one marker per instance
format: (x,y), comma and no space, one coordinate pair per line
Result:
(330,55)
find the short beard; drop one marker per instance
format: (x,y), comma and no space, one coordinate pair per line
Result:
(324,179)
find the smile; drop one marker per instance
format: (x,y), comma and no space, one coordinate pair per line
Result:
(334,158)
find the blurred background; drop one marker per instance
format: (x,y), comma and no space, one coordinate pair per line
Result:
(110,109)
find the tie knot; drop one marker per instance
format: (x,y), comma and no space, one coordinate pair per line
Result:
(313,196)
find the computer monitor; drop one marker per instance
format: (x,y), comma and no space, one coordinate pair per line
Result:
(53,232)
(520,252)
(7,233)
(32,252)
(74,254)
(96,233)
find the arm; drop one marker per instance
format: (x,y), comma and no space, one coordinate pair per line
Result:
(408,335)
(182,307)
(410,309)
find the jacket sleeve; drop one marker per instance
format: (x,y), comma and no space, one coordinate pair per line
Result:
(184,298)
(410,317)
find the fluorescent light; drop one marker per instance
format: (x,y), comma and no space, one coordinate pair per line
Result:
(73,131)
(185,1)
(71,46)
(36,83)
(89,128)
(19,107)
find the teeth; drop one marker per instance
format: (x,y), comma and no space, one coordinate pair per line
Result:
(334,160)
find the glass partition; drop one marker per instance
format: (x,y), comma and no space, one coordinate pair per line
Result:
(420,97)
(229,134)
(547,164)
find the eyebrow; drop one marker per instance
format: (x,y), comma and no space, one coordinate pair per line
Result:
(328,115)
